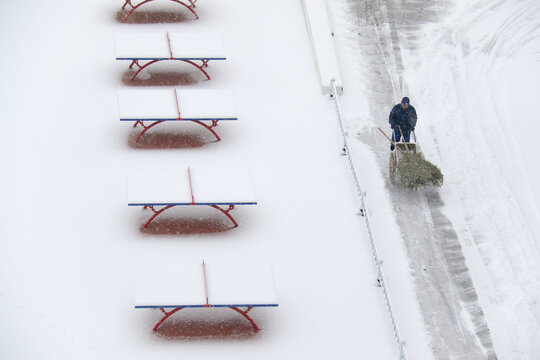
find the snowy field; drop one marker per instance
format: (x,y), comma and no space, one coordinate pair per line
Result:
(461,264)
(470,69)
(70,241)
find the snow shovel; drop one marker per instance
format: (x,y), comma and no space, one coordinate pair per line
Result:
(413,171)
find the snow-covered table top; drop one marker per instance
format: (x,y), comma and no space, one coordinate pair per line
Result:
(154,46)
(170,104)
(196,285)
(199,186)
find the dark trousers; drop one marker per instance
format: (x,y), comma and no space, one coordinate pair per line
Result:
(396,135)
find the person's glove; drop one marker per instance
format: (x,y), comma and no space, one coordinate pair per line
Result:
(412,129)
(392,127)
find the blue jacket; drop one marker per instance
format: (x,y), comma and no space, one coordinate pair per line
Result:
(405,118)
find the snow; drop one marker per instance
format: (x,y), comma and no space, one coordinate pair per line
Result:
(322,44)
(183,284)
(241,284)
(227,185)
(166,285)
(142,46)
(165,187)
(147,104)
(487,70)
(469,69)
(161,104)
(69,243)
(209,46)
(155,45)
(207,104)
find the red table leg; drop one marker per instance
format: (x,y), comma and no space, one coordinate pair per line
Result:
(245,314)
(148,127)
(167,314)
(145,128)
(136,62)
(156,213)
(209,127)
(226,212)
(128,2)
(133,8)
(141,67)
(200,67)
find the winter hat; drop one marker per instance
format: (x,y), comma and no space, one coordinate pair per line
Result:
(405,101)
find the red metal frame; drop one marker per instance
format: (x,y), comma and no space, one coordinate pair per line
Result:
(157,212)
(205,285)
(226,212)
(209,127)
(200,67)
(177,105)
(147,127)
(169,45)
(141,67)
(190,7)
(136,62)
(191,189)
(243,313)
(167,314)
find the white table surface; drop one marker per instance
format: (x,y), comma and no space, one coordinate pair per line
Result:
(226,185)
(182,285)
(161,105)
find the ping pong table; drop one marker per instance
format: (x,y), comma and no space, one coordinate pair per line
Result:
(189,4)
(173,287)
(155,47)
(157,106)
(214,187)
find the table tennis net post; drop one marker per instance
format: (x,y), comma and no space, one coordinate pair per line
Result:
(205,284)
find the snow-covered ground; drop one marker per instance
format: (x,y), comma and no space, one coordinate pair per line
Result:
(470,69)
(488,68)
(69,240)
(461,263)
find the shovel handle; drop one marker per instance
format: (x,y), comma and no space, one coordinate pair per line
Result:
(386,136)
(403,137)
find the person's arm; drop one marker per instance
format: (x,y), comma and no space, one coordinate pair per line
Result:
(392,117)
(412,118)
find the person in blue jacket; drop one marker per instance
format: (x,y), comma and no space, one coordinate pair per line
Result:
(404,116)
